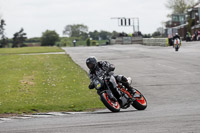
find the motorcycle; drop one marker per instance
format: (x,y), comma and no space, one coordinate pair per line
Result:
(124,99)
(177,44)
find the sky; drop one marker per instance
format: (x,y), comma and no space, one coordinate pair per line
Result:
(37,16)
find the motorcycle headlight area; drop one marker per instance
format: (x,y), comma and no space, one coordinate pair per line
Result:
(97,84)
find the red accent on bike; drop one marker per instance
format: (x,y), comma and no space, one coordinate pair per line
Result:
(125,91)
(141,100)
(115,105)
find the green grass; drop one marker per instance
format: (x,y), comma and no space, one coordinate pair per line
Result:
(26,50)
(43,83)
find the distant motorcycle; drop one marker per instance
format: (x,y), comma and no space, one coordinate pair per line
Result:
(124,100)
(177,44)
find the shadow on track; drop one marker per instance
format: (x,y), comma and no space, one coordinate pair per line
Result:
(109,112)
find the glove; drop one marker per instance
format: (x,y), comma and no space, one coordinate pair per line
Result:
(111,67)
(91,86)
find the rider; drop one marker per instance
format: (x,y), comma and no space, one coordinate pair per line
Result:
(176,37)
(97,68)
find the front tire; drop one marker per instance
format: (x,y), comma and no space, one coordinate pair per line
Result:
(141,102)
(176,48)
(112,106)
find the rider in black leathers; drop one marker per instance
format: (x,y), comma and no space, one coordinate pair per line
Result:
(97,68)
(176,37)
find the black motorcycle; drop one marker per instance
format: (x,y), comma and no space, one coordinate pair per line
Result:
(123,97)
(177,44)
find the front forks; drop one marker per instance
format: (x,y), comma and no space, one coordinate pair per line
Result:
(108,91)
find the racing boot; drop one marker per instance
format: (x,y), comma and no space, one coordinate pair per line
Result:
(130,89)
(127,85)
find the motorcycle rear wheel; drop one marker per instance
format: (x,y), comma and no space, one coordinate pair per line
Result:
(112,106)
(141,102)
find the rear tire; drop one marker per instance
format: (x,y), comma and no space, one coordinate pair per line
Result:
(112,106)
(140,103)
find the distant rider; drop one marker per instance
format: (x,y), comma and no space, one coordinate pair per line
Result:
(177,37)
(96,68)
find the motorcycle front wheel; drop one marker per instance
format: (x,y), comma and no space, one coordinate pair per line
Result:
(176,48)
(140,103)
(111,105)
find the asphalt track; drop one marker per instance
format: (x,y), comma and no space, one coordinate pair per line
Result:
(169,80)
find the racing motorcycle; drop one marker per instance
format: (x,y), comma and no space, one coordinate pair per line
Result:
(124,99)
(177,44)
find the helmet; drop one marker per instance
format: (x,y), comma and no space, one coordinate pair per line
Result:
(176,34)
(91,63)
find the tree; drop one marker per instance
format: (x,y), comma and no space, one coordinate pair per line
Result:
(94,35)
(146,35)
(76,30)
(49,38)
(156,33)
(115,34)
(3,38)
(190,24)
(104,35)
(84,36)
(179,6)
(88,42)
(161,30)
(19,38)
(34,40)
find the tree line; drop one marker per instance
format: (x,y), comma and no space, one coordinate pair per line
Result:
(78,32)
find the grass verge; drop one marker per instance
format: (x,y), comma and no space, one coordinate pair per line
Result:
(26,50)
(43,83)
